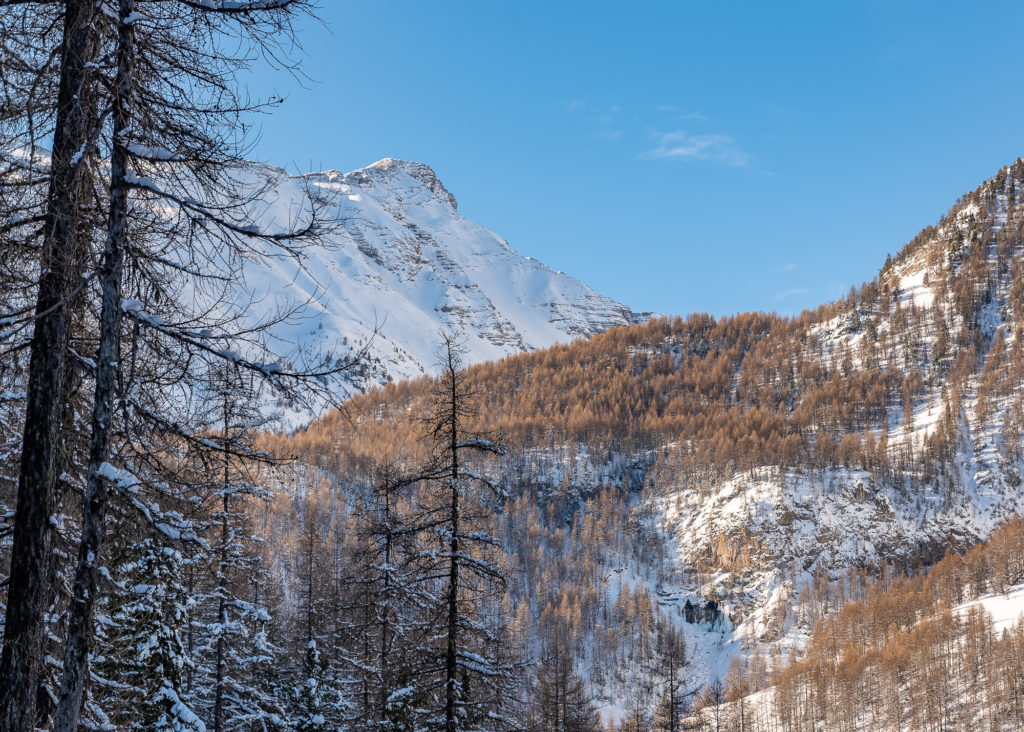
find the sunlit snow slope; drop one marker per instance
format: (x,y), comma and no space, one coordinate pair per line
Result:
(401,264)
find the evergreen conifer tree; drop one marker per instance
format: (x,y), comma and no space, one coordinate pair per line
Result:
(152,659)
(315,706)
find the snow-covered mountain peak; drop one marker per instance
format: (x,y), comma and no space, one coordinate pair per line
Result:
(388,171)
(400,264)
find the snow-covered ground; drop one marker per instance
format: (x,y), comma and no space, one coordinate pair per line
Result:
(1006,609)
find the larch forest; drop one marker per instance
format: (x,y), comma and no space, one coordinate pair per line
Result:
(754,522)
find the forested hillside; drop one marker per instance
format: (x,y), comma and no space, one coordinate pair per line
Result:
(754,467)
(662,526)
(942,649)
(613,531)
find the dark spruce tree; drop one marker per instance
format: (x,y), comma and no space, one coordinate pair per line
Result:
(149,662)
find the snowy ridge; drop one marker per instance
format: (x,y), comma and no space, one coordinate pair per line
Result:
(401,264)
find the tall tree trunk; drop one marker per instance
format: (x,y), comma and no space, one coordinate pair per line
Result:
(310,540)
(80,613)
(219,698)
(452,406)
(65,241)
(190,627)
(451,657)
(385,643)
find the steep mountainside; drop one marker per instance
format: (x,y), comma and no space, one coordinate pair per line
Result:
(931,355)
(401,264)
(940,650)
(737,476)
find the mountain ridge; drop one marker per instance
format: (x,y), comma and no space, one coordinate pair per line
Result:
(401,264)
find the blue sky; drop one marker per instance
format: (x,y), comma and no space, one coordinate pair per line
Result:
(678,157)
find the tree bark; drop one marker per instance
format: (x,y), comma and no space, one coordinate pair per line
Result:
(451,656)
(219,700)
(80,612)
(64,245)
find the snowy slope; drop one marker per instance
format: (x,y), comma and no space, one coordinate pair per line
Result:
(1006,609)
(401,264)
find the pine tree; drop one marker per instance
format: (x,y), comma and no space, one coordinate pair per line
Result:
(314,705)
(230,617)
(710,703)
(638,718)
(150,668)
(737,687)
(384,636)
(562,700)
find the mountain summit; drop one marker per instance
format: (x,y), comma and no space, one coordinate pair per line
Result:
(402,264)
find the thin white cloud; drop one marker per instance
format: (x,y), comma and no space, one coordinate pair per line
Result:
(786,267)
(681,145)
(789,293)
